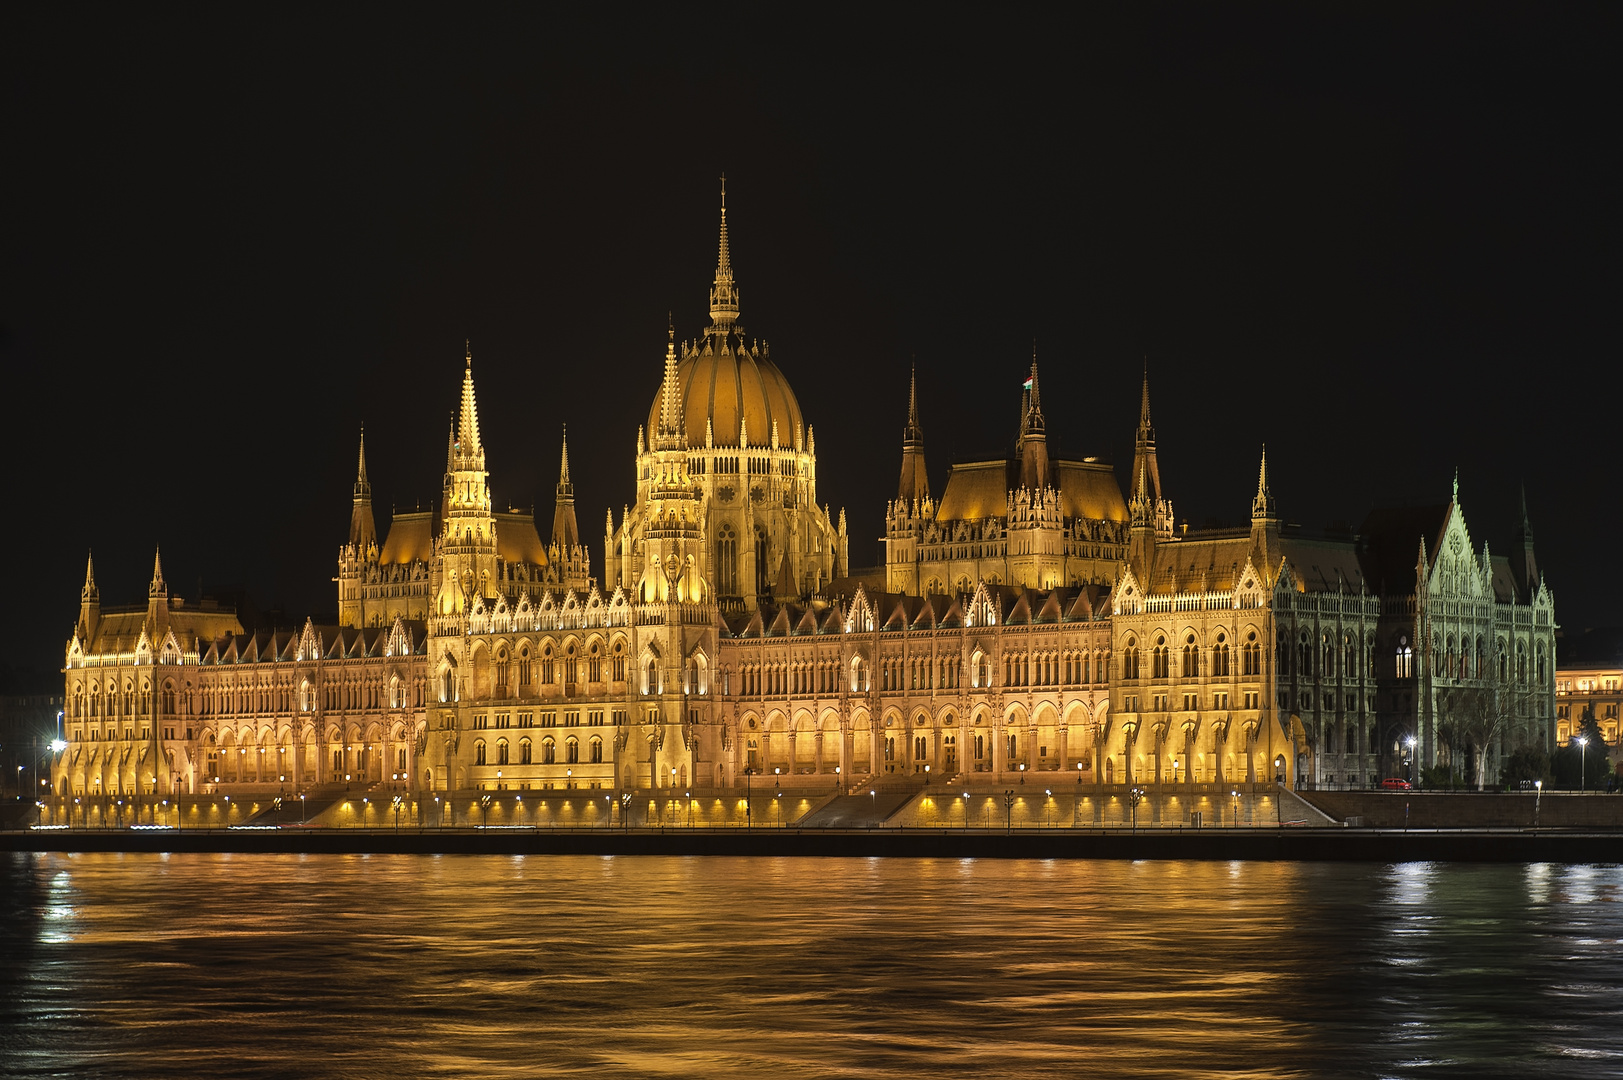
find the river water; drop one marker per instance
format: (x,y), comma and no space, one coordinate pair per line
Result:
(484,966)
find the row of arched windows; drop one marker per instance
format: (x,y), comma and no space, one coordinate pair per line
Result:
(1191,659)
(500,754)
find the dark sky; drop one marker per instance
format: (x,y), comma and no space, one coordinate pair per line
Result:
(1384,244)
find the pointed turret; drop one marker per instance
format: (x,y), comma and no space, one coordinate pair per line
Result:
(1151,512)
(1262,504)
(672,434)
(1523,562)
(363,533)
(1264,521)
(89,603)
(565,532)
(915,482)
(468,444)
(157,600)
(723,293)
(1146,485)
(1033,441)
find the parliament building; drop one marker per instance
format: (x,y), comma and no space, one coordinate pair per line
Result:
(1034,619)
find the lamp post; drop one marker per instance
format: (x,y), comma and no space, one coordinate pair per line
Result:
(1538,793)
(836,779)
(1236,794)
(1048,807)
(1409,763)
(749,798)
(1134,797)
(397,815)
(966,811)
(1008,809)
(1583,747)
(484,805)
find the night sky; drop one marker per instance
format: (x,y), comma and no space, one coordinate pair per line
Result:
(1387,246)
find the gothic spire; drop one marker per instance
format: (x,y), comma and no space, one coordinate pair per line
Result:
(565,531)
(671,434)
(1262,505)
(468,423)
(1033,441)
(723,293)
(363,533)
(89,592)
(563,468)
(363,489)
(915,482)
(157,587)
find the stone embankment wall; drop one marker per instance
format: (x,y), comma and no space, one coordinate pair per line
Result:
(1467,810)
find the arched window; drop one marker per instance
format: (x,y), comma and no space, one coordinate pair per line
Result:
(596,755)
(548,673)
(763,573)
(650,677)
(549,752)
(571,664)
(619,662)
(1159,659)
(1329,658)
(479,752)
(1129,659)
(501,752)
(523,666)
(1521,662)
(727,561)
(1191,658)
(572,752)
(594,663)
(524,752)
(1405,659)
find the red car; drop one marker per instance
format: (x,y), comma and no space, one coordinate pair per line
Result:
(1395,784)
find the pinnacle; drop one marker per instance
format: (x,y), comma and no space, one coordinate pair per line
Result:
(468,423)
(362,487)
(563,471)
(90,571)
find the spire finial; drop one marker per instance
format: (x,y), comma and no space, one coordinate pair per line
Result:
(723,293)
(467,346)
(363,488)
(1144,403)
(1456,483)
(157,587)
(90,576)
(563,469)
(1262,505)
(467,428)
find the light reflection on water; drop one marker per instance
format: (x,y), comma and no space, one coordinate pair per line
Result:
(406,966)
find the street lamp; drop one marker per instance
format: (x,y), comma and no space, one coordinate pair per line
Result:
(1134,797)
(1236,794)
(397,815)
(1008,809)
(1538,794)
(1409,765)
(1583,745)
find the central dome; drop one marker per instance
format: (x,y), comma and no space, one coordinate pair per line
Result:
(728,387)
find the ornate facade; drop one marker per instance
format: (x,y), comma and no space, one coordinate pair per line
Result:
(1032,621)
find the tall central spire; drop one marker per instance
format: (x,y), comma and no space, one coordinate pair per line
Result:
(723,293)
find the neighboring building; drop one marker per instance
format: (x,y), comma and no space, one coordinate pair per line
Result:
(1589,681)
(1034,620)
(28,723)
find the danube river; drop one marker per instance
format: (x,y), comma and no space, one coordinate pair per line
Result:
(484,966)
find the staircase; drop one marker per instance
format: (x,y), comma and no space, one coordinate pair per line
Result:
(860,811)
